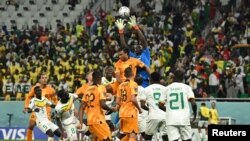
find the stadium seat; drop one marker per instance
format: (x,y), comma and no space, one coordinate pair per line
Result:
(40,3)
(33,8)
(50,15)
(68,20)
(43,22)
(45,8)
(32,21)
(21,23)
(56,9)
(21,2)
(79,8)
(2,2)
(61,3)
(74,14)
(4,15)
(11,9)
(66,8)
(53,24)
(9,23)
(28,14)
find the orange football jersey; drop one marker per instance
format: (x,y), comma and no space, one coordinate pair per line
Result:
(125,92)
(92,97)
(120,66)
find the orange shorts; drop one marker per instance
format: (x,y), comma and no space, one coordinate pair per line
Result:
(129,125)
(33,116)
(101,131)
(115,86)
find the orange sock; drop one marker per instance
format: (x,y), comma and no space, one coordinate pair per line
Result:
(125,138)
(132,139)
(29,135)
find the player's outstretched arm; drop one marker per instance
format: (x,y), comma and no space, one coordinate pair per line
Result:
(81,109)
(120,25)
(27,100)
(132,22)
(134,101)
(143,105)
(59,123)
(162,106)
(106,107)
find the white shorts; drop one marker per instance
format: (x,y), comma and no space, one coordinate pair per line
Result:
(156,125)
(84,127)
(44,125)
(71,132)
(203,123)
(142,124)
(177,131)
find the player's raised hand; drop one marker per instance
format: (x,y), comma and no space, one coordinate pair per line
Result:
(25,110)
(132,21)
(120,25)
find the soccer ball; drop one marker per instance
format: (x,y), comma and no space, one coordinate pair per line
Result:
(124,11)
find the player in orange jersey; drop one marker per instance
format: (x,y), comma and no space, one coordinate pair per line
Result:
(80,91)
(124,62)
(49,93)
(83,88)
(94,103)
(128,107)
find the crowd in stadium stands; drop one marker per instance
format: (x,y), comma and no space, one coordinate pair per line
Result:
(173,31)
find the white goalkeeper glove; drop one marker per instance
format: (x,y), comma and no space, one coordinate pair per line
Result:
(132,23)
(120,25)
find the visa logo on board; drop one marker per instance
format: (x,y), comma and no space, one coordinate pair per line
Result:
(13,134)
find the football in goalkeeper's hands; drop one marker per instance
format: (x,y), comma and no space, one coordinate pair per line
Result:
(124,11)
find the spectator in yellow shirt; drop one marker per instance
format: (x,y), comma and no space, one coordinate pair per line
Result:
(214,116)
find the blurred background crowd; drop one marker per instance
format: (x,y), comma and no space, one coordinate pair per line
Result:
(207,39)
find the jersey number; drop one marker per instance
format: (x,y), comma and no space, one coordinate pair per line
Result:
(124,95)
(157,96)
(90,98)
(177,101)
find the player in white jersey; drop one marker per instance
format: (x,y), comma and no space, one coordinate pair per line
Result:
(65,114)
(110,99)
(38,105)
(176,99)
(142,117)
(156,117)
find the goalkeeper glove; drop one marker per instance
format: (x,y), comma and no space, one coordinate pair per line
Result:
(132,22)
(120,25)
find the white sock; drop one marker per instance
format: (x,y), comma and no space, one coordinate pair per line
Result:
(201,135)
(50,139)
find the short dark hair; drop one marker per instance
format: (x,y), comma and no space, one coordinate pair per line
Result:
(178,75)
(60,93)
(203,104)
(96,76)
(125,50)
(138,79)
(155,77)
(36,87)
(128,72)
